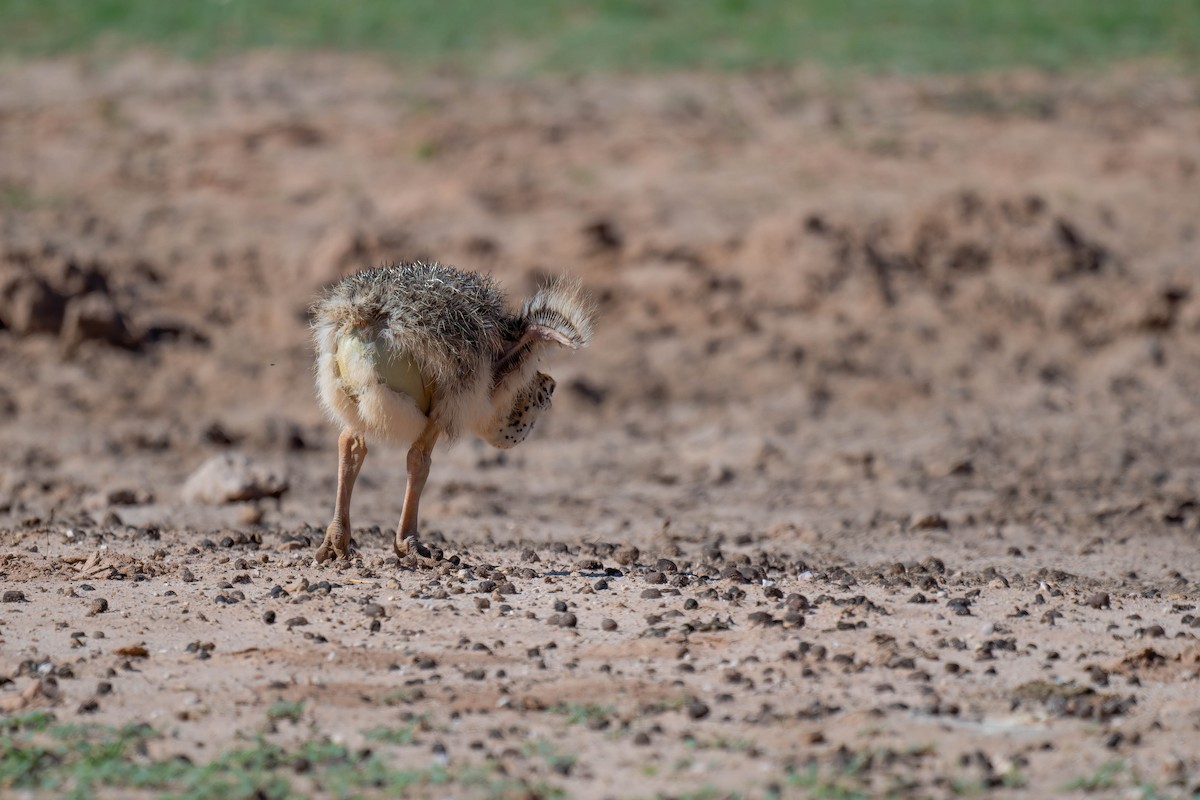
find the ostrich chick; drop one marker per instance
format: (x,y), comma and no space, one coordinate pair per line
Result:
(416,352)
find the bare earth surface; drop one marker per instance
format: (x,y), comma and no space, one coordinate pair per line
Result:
(882,474)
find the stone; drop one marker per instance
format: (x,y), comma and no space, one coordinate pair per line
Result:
(28,304)
(95,317)
(233,478)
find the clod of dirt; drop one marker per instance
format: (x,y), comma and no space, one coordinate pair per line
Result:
(1146,658)
(251,515)
(233,478)
(1072,700)
(8,406)
(30,305)
(1098,600)
(794,619)
(46,688)
(626,554)
(14,596)
(95,317)
(133,651)
(934,565)
(603,235)
(797,602)
(128,497)
(591,393)
(79,278)
(697,709)
(930,522)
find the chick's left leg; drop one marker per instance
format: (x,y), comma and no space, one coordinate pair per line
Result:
(352,451)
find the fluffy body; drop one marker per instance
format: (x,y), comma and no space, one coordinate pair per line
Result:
(476,360)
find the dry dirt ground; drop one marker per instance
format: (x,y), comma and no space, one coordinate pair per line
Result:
(882,475)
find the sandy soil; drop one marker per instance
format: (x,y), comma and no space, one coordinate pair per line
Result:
(896,398)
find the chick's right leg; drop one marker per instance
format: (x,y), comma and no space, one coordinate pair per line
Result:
(419,459)
(352,450)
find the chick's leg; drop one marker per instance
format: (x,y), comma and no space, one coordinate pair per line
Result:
(352,450)
(419,459)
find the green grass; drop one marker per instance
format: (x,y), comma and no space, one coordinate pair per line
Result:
(631,35)
(16,197)
(816,785)
(77,761)
(582,713)
(404,735)
(1105,777)
(291,711)
(1113,775)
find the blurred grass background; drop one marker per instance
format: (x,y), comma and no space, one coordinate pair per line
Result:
(631,35)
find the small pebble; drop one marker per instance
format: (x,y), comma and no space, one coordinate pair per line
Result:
(133,651)
(626,554)
(761,618)
(251,515)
